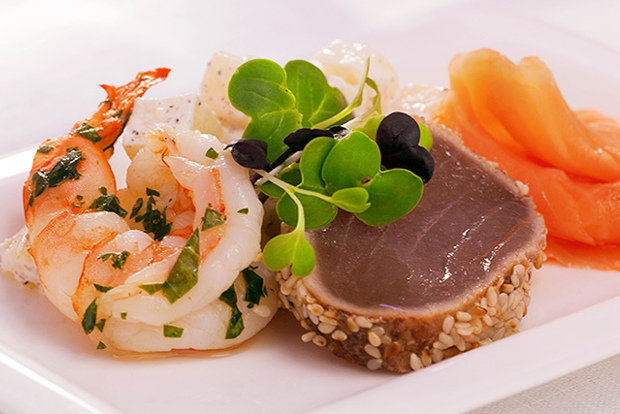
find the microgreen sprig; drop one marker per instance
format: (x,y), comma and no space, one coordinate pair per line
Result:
(314,171)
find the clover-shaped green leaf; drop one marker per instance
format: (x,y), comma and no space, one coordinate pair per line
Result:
(393,193)
(290,249)
(316,99)
(258,89)
(353,161)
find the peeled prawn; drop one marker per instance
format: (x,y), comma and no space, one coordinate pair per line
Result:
(165,263)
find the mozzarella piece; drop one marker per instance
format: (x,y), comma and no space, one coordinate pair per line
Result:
(183,113)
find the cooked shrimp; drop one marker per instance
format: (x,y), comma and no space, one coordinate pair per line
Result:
(157,276)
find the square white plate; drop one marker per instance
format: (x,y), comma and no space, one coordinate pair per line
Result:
(53,60)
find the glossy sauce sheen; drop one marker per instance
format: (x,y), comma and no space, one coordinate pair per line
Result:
(470,223)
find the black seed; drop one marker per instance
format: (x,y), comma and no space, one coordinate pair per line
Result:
(398,137)
(415,159)
(299,139)
(251,153)
(397,131)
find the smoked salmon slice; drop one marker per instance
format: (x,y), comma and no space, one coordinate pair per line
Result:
(515,115)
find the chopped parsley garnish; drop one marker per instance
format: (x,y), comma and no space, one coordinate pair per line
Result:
(136,208)
(123,315)
(88,132)
(151,288)
(184,273)
(211,153)
(255,289)
(153,220)
(89,321)
(101,345)
(100,325)
(101,288)
(173,331)
(243,211)
(64,169)
(108,202)
(235,324)
(212,219)
(45,149)
(118,259)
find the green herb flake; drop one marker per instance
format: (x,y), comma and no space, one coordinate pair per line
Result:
(64,169)
(212,219)
(136,208)
(235,323)
(150,192)
(255,289)
(88,132)
(153,220)
(102,288)
(108,202)
(89,321)
(184,273)
(45,149)
(173,331)
(100,325)
(243,211)
(101,345)
(151,288)
(211,153)
(123,315)
(118,259)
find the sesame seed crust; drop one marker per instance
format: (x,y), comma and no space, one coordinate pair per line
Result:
(404,344)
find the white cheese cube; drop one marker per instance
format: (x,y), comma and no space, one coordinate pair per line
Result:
(183,113)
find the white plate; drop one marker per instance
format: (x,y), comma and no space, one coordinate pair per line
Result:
(52,61)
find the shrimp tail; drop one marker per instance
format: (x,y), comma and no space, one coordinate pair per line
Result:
(106,124)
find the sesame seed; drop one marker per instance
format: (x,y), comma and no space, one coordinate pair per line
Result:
(426,358)
(308,336)
(339,335)
(415,362)
(465,331)
(507,288)
(462,325)
(386,340)
(363,322)
(374,364)
(446,339)
(448,323)
(491,296)
(374,339)
(372,351)
(313,318)
(391,350)
(326,328)
(352,325)
(436,355)
(330,313)
(316,309)
(487,319)
(463,316)
(328,321)
(378,330)
(319,340)
(499,334)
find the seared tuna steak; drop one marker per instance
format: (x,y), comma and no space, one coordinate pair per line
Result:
(450,276)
